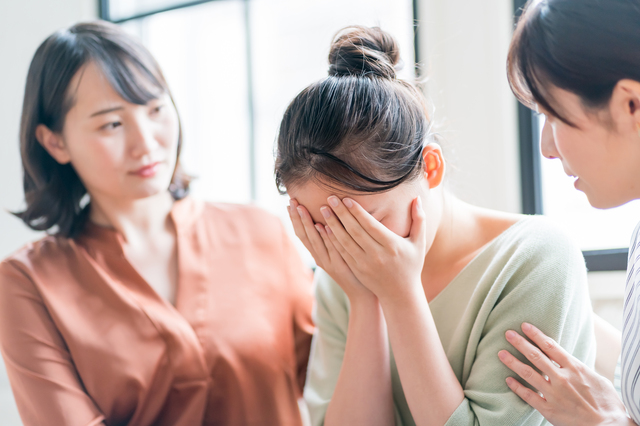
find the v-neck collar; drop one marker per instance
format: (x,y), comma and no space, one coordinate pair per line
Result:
(101,240)
(184,214)
(478,257)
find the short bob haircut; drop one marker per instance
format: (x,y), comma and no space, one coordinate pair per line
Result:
(582,46)
(54,194)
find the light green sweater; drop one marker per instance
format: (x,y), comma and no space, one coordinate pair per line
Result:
(531,272)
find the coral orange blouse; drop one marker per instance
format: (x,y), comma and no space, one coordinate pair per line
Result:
(86,340)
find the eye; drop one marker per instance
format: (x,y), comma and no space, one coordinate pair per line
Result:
(111,126)
(156,109)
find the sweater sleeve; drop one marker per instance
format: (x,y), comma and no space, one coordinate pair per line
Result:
(301,290)
(542,281)
(331,316)
(43,378)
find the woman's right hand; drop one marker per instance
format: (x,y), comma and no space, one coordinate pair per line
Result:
(315,239)
(572,393)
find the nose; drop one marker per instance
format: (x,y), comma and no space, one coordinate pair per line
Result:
(142,138)
(548,143)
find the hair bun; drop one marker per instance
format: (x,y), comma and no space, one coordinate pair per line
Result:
(360,51)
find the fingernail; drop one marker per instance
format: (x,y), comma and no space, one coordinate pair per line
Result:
(325,212)
(300,211)
(329,231)
(511,335)
(509,381)
(348,202)
(502,355)
(334,201)
(419,202)
(526,326)
(318,227)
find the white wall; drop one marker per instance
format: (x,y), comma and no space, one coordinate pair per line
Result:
(24,24)
(463,47)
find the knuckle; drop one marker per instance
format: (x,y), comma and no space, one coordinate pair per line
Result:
(527,372)
(356,232)
(579,368)
(535,355)
(562,380)
(377,258)
(548,344)
(525,393)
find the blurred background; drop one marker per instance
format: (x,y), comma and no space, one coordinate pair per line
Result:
(234,65)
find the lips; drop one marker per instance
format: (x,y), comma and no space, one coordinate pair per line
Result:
(147,171)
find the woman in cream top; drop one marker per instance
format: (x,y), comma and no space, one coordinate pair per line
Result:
(144,306)
(416,288)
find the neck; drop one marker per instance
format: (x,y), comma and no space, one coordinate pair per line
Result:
(450,244)
(131,218)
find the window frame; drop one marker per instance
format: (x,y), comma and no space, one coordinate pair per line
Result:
(531,181)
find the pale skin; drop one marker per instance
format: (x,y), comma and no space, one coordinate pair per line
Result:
(602,151)
(392,253)
(125,155)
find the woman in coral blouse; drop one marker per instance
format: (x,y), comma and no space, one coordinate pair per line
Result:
(142,306)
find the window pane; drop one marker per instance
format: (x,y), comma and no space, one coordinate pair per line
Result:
(592,228)
(202,52)
(123,9)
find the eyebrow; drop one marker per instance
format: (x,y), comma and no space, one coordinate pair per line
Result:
(106,111)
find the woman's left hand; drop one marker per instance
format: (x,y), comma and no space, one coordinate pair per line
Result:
(572,393)
(387,264)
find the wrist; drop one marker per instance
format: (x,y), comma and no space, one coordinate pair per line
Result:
(364,302)
(403,296)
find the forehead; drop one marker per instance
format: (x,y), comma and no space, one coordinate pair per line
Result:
(90,85)
(567,104)
(313,196)
(97,83)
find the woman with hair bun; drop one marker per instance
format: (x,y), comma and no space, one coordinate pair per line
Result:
(577,62)
(415,289)
(143,306)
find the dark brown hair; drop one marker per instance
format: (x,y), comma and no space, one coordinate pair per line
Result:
(582,46)
(361,128)
(53,192)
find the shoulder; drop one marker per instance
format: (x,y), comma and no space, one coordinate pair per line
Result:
(241,214)
(236,225)
(536,261)
(534,258)
(48,250)
(537,239)
(243,223)
(634,243)
(21,271)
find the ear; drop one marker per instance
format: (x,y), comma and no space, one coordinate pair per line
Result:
(433,164)
(53,144)
(625,105)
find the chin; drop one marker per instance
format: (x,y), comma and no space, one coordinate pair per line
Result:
(150,189)
(604,203)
